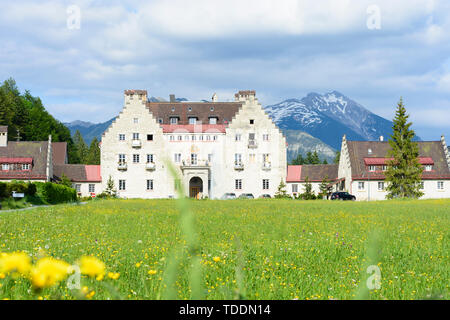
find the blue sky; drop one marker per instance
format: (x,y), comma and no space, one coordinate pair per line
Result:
(282,49)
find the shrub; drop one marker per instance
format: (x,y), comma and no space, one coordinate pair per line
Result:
(55,193)
(19,187)
(3,191)
(31,189)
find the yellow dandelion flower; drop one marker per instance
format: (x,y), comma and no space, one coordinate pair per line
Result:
(113,275)
(216,259)
(138,265)
(90,295)
(49,271)
(152,272)
(92,266)
(16,261)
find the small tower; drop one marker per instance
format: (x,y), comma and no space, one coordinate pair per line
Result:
(215,98)
(135,96)
(3,136)
(245,95)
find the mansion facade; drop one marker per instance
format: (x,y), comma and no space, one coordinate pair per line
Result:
(207,149)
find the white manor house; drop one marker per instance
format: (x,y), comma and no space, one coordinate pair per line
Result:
(208,149)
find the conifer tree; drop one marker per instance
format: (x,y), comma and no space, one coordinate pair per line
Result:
(323,187)
(110,188)
(281,193)
(93,156)
(404,172)
(81,147)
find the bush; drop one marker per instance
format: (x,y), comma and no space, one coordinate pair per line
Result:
(56,193)
(19,187)
(31,189)
(3,193)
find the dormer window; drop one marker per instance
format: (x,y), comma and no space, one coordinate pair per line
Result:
(5,166)
(192,120)
(25,166)
(173,120)
(428,168)
(372,168)
(369,151)
(213,120)
(212,109)
(190,109)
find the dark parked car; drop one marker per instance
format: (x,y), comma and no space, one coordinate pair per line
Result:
(343,196)
(246,196)
(229,196)
(265,196)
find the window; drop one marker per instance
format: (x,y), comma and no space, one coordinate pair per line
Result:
(251,136)
(150,158)
(177,157)
(25,166)
(200,138)
(238,184)
(136,158)
(186,138)
(180,138)
(440,185)
(91,188)
(149,185)
(266,157)
(194,159)
(252,121)
(211,109)
(121,137)
(136,120)
(265,184)
(122,185)
(190,109)
(295,188)
(213,120)
(369,151)
(238,137)
(238,159)
(381,186)
(193,138)
(428,168)
(78,188)
(122,158)
(160,120)
(192,120)
(372,168)
(173,120)
(210,157)
(5,166)
(361,186)
(149,137)
(172,138)
(265,137)
(208,138)
(215,138)
(384,168)
(135,136)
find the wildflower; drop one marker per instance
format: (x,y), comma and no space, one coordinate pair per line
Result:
(216,259)
(48,272)
(92,266)
(152,272)
(17,261)
(113,275)
(90,295)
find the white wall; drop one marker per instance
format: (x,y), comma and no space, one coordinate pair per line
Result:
(84,188)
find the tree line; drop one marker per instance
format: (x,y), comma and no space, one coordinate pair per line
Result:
(28,120)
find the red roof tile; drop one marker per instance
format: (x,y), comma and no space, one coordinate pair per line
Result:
(16,160)
(294,173)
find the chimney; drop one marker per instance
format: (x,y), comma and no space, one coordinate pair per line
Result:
(381,138)
(172,98)
(3,136)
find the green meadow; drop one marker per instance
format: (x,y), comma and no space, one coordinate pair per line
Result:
(241,249)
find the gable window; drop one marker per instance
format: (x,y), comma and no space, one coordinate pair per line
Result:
(440,185)
(122,185)
(149,185)
(91,188)
(136,120)
(121,137)
(173,120)
(265,184)
(149,137)
(361,185)
(428,168)
(238,184)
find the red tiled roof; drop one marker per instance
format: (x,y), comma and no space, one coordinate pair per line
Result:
(190,128)
(16,160)
(385,161)
(294,173)
(93,173)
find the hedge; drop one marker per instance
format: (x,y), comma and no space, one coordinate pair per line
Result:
(57,193)
(6,189)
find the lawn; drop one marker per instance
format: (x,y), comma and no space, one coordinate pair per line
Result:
(249,249)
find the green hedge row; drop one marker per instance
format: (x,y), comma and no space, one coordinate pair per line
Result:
(6,189)
(58,193)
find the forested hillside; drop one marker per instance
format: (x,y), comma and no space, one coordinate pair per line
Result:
(28,120)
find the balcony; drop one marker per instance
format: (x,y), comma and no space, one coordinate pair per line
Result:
(198,163)
(122,166)
(136,143)
(252,144)
(239,166)
(150,166)
(267,166)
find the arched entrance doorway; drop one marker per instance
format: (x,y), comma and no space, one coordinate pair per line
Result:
(195,187)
